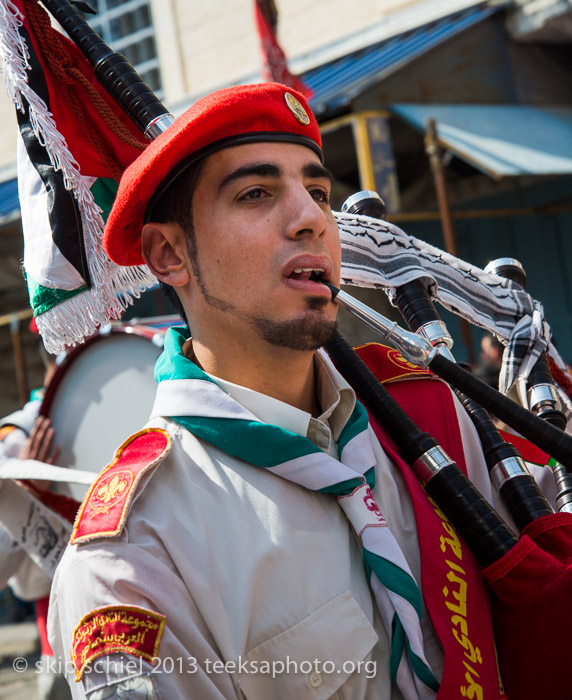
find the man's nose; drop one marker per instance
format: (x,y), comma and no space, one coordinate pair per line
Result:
(305,216)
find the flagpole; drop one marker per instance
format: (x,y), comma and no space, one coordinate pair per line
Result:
(114,72)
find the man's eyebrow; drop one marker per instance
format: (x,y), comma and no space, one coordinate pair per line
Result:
(259,169)
(318,171)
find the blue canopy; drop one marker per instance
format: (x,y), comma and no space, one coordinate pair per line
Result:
(9,201)
(337,83)
(500,140)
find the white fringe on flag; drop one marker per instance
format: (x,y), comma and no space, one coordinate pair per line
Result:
(113,287)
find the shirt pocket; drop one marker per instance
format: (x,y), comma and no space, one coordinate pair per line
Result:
(312,659)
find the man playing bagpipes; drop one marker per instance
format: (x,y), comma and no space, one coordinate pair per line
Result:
(261,537)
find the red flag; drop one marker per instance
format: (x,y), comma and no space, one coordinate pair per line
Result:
(99,134)
(274,64)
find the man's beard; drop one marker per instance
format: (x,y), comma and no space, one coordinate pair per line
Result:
(308,333)
(303,334)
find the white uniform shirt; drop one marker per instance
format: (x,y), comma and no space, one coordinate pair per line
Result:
(249,569)
(17,570)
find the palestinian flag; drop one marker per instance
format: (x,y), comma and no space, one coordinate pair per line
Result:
(528,451)
(74,143)
(534,458)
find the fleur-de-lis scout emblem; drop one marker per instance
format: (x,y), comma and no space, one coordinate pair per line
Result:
(113,488)
(105,507)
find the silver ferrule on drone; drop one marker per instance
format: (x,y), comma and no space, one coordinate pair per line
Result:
(430,463)
(508,468)
(158,126)
(437,334)
(563,487)
(543,397)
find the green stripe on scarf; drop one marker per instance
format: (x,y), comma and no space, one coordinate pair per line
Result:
(419,667)
(395,579)
(257,443)
(356,424)
(348,486)
(172,363)
(397,644)
(421,671)
(260,444)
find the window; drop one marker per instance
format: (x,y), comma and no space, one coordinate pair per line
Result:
(127,27)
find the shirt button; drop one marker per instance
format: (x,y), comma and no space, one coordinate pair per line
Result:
(315,679)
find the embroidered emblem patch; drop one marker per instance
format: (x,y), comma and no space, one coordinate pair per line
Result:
(115,628)
(107,502)
(398,360)
(361,509)
(296,108)
(110,491)
(389,364)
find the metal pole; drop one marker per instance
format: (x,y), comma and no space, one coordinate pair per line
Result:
(433,151)
(19,362)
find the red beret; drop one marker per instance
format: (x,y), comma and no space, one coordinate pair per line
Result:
(240,114)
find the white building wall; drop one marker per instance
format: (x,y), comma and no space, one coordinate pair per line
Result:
(207,44)
(7,138)
(216,43)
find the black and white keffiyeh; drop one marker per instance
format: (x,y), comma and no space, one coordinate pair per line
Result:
(380,255)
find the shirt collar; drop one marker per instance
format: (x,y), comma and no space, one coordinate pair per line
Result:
(335,395)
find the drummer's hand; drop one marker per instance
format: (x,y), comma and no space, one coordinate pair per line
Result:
(40,444)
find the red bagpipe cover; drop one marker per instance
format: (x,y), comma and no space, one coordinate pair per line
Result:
(532,610)
(530,588)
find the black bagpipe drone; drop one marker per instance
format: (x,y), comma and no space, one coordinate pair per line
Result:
(545,542)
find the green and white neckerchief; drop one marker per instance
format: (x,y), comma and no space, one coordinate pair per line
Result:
(191,398)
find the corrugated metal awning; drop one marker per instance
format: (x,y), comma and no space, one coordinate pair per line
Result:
(500,140)
(9,201)
(337,83)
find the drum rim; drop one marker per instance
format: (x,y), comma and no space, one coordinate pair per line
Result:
(137,329)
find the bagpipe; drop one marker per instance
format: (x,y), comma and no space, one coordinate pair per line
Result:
(538,561)
(512,566)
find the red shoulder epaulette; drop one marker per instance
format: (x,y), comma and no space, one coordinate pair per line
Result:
(388,364)
(107,502)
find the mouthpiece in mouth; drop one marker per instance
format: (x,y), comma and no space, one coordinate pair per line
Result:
(318,278)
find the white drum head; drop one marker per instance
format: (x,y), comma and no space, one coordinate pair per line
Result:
(104,395)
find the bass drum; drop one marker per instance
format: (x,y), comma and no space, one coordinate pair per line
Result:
(102,392)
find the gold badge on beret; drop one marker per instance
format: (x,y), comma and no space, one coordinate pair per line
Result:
(296,108)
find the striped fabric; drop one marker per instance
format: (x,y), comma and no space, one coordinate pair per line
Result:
(379,255)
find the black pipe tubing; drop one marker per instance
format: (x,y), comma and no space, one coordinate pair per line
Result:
(486,534)
(111,69)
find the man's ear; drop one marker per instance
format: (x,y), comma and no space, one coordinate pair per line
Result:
(163,248)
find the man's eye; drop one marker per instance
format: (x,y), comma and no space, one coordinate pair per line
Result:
(257,193)
(320,196)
